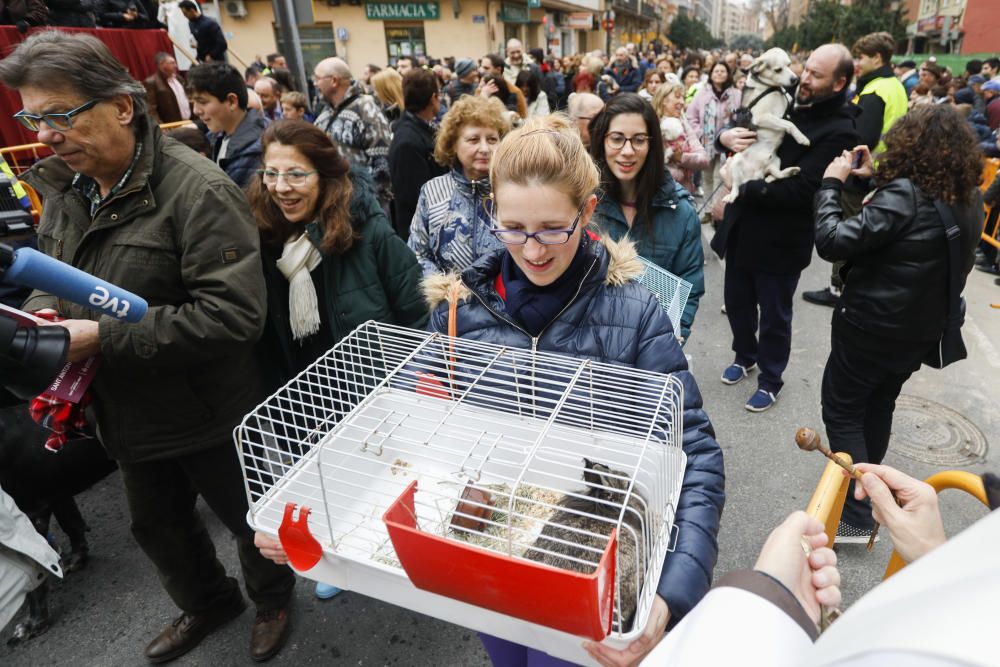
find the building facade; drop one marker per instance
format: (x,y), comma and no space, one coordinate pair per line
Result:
(381,32)
(737,19)
(953,26)
(937,28)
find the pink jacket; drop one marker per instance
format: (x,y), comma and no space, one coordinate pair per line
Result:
(696,113)
(694,158)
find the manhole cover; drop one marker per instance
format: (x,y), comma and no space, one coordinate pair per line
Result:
(930,432)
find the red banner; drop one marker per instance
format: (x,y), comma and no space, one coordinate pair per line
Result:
(132,48)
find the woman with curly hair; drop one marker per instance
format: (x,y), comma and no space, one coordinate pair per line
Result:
(895,301)
(450,228)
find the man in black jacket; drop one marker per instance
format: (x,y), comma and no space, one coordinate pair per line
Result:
(411,154)
(207,33)
(767,234)
(881,100)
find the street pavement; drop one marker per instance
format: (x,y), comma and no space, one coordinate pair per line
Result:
(106,614)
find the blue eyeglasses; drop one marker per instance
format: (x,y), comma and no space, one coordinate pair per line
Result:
(544,236)
(60,122)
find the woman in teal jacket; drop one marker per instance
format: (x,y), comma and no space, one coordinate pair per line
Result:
(641,200)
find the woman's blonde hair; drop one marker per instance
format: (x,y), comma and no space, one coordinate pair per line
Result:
(546,150)
(388,85)
(468,110)
(663,92)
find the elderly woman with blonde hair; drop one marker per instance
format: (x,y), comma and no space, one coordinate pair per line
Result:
(683,151)
(450,228)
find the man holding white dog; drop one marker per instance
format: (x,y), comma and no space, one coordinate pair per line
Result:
(767,233)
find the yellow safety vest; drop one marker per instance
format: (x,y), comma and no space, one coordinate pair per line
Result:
(19,190)
(893,94)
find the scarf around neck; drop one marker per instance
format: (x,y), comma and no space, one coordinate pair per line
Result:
(298,258)
(535,307)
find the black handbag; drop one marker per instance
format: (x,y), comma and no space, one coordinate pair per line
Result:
(951,347)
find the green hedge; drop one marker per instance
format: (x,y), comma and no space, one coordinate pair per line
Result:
(955,61)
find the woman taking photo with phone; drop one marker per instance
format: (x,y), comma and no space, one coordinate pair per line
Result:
(641,200)
(896,302)
(556,287)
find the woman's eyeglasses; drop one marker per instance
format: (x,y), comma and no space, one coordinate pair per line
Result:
(60,122)
(617,141)
(518,237)
(293,178)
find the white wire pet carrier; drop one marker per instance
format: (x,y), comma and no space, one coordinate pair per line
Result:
(671,291)
(475,483)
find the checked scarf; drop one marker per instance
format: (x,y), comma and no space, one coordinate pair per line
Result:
(66,420)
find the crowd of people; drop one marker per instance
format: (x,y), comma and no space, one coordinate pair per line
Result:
(524,186)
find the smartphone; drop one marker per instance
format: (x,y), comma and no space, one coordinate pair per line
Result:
(856,162)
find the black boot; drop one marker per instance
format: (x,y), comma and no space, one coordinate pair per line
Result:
(822,297)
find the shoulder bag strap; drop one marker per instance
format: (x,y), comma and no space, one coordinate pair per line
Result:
(954,237)
(336,112)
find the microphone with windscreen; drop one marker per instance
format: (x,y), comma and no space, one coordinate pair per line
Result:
(39,271)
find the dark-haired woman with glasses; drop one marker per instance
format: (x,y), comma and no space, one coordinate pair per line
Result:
(331,259)
(557,287)
(331,262)
(641,200)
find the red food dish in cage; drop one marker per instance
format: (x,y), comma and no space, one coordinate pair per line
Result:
(580,604)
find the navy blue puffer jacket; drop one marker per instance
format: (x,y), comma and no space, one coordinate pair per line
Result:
(614,320)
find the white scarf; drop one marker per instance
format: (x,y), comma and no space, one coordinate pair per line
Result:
(298,258)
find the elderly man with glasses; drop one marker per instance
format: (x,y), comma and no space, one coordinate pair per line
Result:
(146,213)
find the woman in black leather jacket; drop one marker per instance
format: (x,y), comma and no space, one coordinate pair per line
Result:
(895,300)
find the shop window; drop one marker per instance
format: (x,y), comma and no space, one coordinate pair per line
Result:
(405,40)
(317,44)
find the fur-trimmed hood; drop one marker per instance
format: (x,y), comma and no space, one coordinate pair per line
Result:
(623,265)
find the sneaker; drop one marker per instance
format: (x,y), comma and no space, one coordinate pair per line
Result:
(988,268)
(761,400)
(736,373)
(822,297)
(326,591)
(848,534)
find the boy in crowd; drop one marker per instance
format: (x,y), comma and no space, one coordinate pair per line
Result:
(219,96)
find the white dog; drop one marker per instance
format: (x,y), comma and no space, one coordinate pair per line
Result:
(672,129)
(764,95)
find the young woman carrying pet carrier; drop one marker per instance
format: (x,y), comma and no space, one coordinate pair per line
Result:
(556,287)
